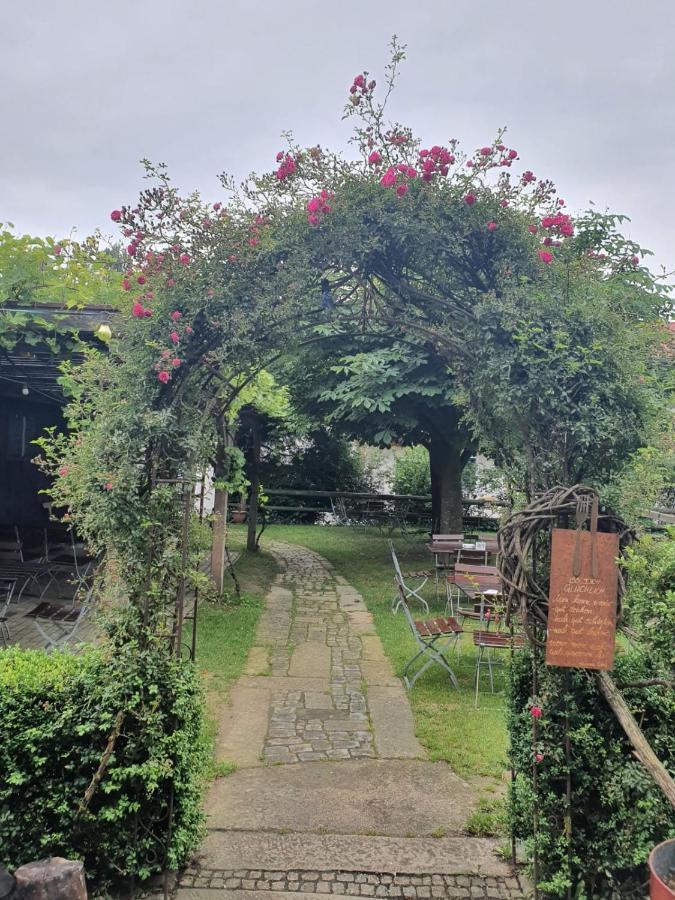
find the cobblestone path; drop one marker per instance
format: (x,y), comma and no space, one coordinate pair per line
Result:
(310,634)
(333,794)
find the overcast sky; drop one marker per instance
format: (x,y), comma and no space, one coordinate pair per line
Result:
(586,88)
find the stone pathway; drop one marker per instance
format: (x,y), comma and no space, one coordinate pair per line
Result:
(332,792)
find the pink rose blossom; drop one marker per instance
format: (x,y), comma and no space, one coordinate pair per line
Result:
(138,310)
(170,282)
(175,337)
(388,179)
(108,486)
(314,204)
(126,284)
(141,279)
(532,229)
(491,226)
(175,362)
(164,377)
(184,259)
(313,219)
(57,250)
(485,151)
(188,329)
(635,260)
(469,199)
(546,256)
(513,154)
(217,206)
(116,215)
(131,249)
(63,471)
(374,158)
(535,712)
(402,190)
(539,757)
(175,315)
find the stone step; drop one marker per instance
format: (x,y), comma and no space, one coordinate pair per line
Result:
(275,854)
(398,798)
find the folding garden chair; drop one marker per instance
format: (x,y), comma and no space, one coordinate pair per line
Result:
(58,625)
(433,637)
(404,591)
(488,642)
(7,587)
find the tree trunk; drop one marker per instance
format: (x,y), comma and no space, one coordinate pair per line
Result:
(254,461)
(220,501)
(445,461)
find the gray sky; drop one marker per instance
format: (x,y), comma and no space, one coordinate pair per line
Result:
(586,88)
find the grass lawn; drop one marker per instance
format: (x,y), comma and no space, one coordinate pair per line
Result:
(225,631)
(473,741)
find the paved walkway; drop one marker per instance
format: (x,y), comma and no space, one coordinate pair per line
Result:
(333,793)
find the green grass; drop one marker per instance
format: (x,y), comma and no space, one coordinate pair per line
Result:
(226,631)
(473,741)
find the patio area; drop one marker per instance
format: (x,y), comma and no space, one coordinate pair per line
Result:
(39,632)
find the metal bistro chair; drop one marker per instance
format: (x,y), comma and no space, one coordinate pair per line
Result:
(63,622)
(488,642)
(7,587)
(404,591)
(433,637)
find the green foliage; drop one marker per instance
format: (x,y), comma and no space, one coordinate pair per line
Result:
(489,819)
(618,813)
(68,274)
(321,460)
(562,381)
(58,711)
(411,471)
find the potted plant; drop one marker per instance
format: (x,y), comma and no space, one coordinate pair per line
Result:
(662,871)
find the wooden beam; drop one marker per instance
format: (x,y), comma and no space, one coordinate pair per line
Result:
(643,751)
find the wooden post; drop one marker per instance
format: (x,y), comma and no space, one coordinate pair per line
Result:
(220,505)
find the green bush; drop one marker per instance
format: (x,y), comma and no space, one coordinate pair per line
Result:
(618,813)
(57,711)
(411,471)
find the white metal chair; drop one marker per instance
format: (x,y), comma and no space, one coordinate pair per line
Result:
(404,591)
(433,638)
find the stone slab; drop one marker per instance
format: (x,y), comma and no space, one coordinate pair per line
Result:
(284,683)
(310,660)
(372,648)
(378,672)
(258,662)
(393,725)
(242,726)
(369,796)
(455,855)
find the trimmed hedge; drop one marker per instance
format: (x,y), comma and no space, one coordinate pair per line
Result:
(56,714)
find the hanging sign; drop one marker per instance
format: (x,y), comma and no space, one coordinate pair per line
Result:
(582,599)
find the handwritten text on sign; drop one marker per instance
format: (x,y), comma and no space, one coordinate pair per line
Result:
(582,609)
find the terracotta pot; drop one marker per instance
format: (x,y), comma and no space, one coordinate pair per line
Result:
(662,871)
(238,516)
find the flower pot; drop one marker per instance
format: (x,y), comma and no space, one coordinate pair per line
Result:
(662,871)
(238,516)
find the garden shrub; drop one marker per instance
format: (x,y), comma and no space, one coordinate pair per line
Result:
(411,471)
(57,711)
(618,813)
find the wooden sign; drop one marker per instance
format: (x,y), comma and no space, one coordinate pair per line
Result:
(582,607)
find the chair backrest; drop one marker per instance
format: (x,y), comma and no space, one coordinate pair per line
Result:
(446,538)
(408,616)
(469,555)
(397,567)
(10,551)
